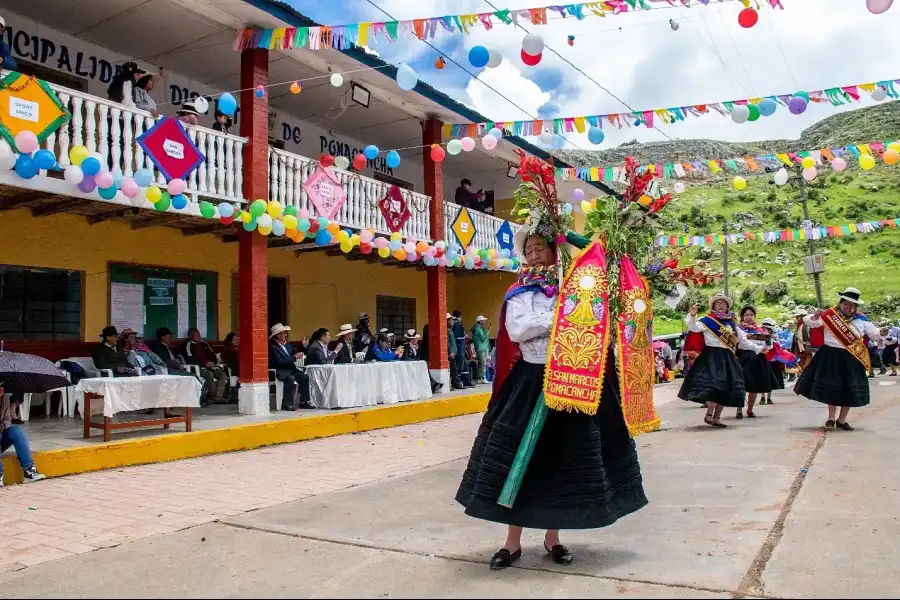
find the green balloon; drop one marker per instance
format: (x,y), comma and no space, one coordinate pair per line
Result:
(207,209)
(803,95)
(164,202)
(754,112)
(257,208)
(290,210)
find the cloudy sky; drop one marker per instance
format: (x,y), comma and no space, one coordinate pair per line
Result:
(810,45)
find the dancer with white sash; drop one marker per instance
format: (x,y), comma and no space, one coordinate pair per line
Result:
(837,374)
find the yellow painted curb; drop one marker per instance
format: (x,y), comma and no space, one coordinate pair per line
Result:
(176,446)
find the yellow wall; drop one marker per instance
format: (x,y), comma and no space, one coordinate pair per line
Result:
(323,291)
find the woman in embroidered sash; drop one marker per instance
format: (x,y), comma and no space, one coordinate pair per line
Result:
(716,377)
(754,364)
(584,472)
(838,373)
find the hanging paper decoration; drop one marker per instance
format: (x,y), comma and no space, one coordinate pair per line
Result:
(463,227)
(326,192)
(780,235)
(342,37)
(395,209)
(28,104)
(505,236)
(171,149)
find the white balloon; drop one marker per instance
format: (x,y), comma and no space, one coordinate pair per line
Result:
(489,142)
(878,6)
(7,162)
(138,201)
(342,162)
(201,104)
(533,44)
(546,138)
(740,114)
(5,148)
(494,60)
(679,187)
(73,174)
(781,177)
(264,220)
(879,94)
(337,80)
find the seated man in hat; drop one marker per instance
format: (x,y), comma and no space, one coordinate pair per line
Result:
(412,350)
(283,359)
(200,353)
(345,347)
(108,356)
(364,336)
(164,347)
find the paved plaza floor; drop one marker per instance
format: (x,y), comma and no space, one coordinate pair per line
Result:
(770,507)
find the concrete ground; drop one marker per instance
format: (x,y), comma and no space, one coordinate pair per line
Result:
(770,507)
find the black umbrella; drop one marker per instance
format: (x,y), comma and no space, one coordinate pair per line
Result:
(29,374)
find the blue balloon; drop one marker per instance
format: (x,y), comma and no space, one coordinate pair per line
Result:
(496,132)
(567,208)
(393,159)
(406,77)
(323,238)
(277,228)
(118,178)
(303,225)
(767,107)
(90,166)
(143,177)
(110,193)
(44,159)
(596,135)
(505,253)
(25,167)
(323,223)
(226,210)
(250,225)
(479,56)
(179,202)
(395,245)
(227,105)
(371,152)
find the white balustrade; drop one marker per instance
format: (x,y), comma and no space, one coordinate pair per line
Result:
(486,226)
(288,172)
(112,129)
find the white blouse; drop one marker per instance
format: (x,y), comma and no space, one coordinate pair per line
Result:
(860,326)
(529,317)
(693,324)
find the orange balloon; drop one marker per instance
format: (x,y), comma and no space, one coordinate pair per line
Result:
(295,88)
(333,228)
(400,254)
(422,247)
(891,157)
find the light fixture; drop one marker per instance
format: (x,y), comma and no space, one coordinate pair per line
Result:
(359,94)
(512,171)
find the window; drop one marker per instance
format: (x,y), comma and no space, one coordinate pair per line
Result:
(39,304)
(396,314)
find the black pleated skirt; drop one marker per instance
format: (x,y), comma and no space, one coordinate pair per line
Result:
(889,355)
(584,473)
(757,374)
(716,376)
(834,377)
(776,371)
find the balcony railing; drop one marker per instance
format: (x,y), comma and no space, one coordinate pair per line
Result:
(288,172)
(486,226)
(112,129)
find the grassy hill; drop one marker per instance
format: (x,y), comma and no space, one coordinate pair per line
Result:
(771,276)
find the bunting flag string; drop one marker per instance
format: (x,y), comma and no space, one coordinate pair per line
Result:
(741,111)
(341,37)
(781,235)
(759,163)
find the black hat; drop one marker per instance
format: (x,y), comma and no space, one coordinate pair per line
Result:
(162,332)
(108,331)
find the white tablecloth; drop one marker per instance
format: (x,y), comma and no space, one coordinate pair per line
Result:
(368,384)
(122,394)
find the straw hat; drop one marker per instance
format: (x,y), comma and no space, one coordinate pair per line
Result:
(852,294)
(721,296)
(768,323)
(799,311)
(345,329)
(480,318)
(278,328)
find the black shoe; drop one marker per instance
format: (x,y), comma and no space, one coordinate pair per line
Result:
(560,554)
(739,415)
(504,559)
(882,371)
(751,414)
(288,407)
(18,422)
(769,401)
(829,423)
(844,426)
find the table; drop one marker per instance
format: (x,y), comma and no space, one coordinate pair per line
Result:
(368,384)
(122,394)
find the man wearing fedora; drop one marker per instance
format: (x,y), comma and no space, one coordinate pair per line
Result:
(345,345)
(108,356)
(412,350)
(837,375)
(283,359)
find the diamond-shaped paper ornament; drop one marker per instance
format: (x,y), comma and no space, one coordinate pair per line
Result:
(463,227)
(325,190)
(170,148)
(395,209)
(505,236)
(29,104)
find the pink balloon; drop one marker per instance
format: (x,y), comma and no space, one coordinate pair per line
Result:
(489,142)
(26,142)
(104,179)
(412,257)
(839,164)
(442,261)
(366,236)
(878,6)
(304,214)
(176,186)
(809,174)
(129,187)
(409,247)
(468,144)
(381,242)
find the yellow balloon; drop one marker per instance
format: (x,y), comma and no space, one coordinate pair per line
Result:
(585,206)
(290,221)
(866,162)
(153,194)
(384,252)
(808,162)
(346,247)
(274,209)
(78,154)
(264,230)
(343,237)
(895,146)
(354,240)
(246,217)
(396,236)
(740,183)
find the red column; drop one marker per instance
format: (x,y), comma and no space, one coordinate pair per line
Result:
(437,276)
(252,267)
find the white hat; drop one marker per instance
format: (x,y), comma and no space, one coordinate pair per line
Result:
(363,315)
(278,328)
(345,329)
(449,316)
(799,311)
(412,335)
(720,296)
(852,294)
(188,108)
(2,22)
(383,330)
(480,318)
(768,323)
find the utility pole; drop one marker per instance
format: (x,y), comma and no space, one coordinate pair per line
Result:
(809,243)
(725,256)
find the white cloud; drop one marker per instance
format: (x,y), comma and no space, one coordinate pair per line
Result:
(509,81)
